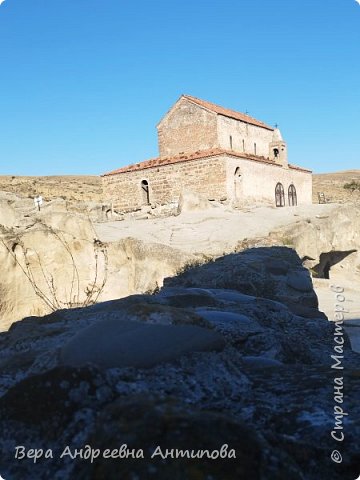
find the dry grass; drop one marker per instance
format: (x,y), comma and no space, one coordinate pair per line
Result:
(69,187)
(88,188)
(332,184)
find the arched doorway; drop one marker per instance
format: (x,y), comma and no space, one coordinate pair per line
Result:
(279,195)
(237,184)
(292,196)
(145,192)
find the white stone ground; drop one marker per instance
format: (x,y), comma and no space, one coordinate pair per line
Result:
(218,230)
(214,231)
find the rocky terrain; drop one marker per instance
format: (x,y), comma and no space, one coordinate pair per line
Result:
(84,188)
(189,332)
(233,352)
(61,258)
(332,185)
(52,259)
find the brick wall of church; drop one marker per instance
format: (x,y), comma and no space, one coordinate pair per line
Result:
(242,137)
(206,176)
(187,129)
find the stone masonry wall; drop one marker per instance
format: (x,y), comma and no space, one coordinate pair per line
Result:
(242,132)
(206,176)
(187,128)
(255,182)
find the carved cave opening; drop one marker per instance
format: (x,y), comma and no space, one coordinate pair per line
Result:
(328,260)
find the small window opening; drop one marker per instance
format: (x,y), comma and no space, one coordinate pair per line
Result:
(276,152)
(237,173)
(255,148)
(231,144)
(145,192)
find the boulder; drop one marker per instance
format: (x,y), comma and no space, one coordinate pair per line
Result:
(196,367)
(299,280)
(192,202)
(8,215)
(57,263)
(117,343)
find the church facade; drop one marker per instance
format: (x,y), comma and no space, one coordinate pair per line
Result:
(218,153)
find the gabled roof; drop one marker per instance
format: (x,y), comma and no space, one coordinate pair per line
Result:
(227,113)
(160,161)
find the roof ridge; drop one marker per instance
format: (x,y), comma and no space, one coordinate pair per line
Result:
(227,112)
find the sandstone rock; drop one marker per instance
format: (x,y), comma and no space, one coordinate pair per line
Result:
(46,269)
(52,397)
(190,297)
(55,263)
(260,279)
(299,280)
(77,226)
(261,362)
(158,314)
(8,216)
(148,424)
(327,235)
(120,343)
(272,375)
(192,202)
(234,326)
(277,266)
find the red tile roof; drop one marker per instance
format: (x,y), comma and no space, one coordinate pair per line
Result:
(228,113)
(158,162)
(301,169)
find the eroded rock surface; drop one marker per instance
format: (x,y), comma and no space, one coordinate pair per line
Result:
(52,260)
(265,387)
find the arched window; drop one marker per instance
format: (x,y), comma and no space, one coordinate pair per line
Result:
(292,196)
(145,192)
(276,152)
(279,195)
(237,184)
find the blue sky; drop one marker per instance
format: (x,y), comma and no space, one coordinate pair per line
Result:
(84,82)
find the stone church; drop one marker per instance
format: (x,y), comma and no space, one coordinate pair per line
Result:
(218,153)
